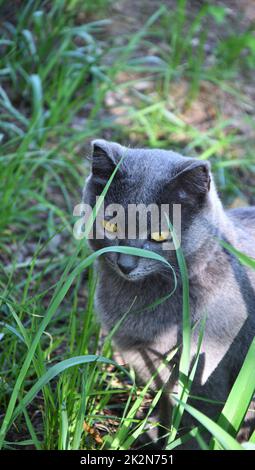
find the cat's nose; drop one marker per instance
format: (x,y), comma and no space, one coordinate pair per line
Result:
(127,263)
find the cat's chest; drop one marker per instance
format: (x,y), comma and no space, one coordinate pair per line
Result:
(142,311)
(117,294)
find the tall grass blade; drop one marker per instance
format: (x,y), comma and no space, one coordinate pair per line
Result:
(240,397)
(225,439)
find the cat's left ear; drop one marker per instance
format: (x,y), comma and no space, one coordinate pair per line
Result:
(104,159)
(195,177)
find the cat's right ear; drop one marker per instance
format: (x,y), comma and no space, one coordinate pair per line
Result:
(103,160)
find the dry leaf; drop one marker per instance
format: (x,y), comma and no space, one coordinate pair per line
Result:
(93,433)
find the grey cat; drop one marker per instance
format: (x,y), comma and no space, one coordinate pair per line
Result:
(220,287)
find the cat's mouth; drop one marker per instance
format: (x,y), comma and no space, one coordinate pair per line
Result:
(131,276)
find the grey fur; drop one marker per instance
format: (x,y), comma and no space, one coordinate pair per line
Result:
(219,285)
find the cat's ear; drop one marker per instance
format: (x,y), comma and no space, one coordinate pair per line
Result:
(103,160)
(194,177)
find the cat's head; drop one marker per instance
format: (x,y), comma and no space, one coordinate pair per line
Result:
(147,177)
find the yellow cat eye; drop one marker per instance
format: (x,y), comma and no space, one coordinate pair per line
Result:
(160,236)
(109,226)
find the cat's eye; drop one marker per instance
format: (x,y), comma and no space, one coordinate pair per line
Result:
(160,236)
(109,226)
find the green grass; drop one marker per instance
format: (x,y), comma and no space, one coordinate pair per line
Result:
(59,64)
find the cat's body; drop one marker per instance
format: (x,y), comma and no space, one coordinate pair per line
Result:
(220,287)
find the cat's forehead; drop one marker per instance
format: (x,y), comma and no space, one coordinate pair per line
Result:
(151,161)
(143,174)
(151,168)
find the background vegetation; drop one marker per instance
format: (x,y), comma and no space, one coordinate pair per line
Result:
(173,74)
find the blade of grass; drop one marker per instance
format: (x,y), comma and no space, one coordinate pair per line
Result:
(186,332)
(30,427)
(242,257)
(239,398)
(178,411)
(252,438)
(225,439)
(80,418)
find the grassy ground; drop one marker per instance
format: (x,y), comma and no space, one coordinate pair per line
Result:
(172,76)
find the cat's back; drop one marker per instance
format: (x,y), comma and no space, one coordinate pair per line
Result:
(243,220)
(244,217)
